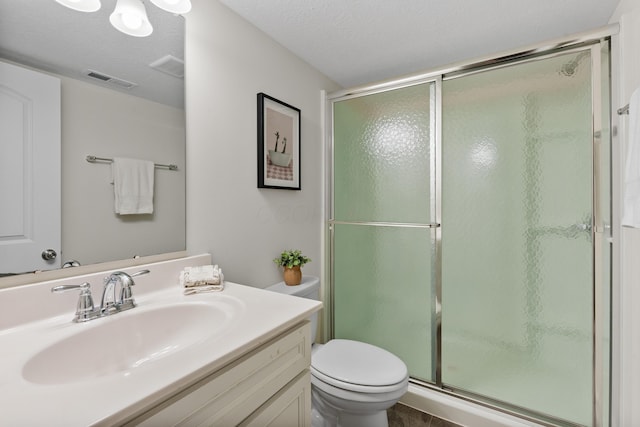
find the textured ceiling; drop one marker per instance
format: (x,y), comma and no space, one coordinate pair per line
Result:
(355,42)
(48,36)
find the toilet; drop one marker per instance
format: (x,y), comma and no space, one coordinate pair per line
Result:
(352,383)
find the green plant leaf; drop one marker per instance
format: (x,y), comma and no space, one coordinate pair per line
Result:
(291,258)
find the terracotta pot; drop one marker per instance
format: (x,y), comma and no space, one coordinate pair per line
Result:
(292,276)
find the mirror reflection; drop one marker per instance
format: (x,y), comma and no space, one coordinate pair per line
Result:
(119,97)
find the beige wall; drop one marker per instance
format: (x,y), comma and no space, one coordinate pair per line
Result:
(229,62)
(105,123)
(626,316)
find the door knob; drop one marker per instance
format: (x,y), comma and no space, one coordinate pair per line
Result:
(49,254)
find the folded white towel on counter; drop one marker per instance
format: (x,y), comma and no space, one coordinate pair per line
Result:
(204,278)
(201,289)
(132,186)
(631,189)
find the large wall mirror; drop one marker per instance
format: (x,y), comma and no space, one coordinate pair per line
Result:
(120,96)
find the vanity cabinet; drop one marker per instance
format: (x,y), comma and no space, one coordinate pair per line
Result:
(268,385)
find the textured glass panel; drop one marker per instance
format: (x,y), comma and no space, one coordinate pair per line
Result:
(381,291)
(381,156)
(517,269)
(604,245)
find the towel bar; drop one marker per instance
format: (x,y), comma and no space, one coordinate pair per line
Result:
(93,159)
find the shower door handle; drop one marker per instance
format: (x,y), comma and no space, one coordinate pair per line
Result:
(582,227)
(588,227)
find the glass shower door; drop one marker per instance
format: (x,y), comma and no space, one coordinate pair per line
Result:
(381,236)
(517,243)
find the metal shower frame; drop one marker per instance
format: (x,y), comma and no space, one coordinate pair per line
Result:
(600,227)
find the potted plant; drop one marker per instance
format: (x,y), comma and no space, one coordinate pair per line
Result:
(292,260)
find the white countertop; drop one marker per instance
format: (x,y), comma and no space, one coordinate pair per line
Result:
(106,400)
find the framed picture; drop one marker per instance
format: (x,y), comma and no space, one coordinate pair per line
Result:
(278,144)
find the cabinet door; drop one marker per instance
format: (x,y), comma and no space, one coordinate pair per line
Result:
(290,407)
(238,390)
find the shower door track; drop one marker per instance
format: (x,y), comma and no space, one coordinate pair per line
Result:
(585,41)
(496,405)
(577,40)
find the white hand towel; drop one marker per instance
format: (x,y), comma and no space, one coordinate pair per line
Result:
(133,186)
(631,211)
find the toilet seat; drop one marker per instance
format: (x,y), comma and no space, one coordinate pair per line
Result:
(360,367)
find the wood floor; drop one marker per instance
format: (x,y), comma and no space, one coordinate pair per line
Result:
(403,416)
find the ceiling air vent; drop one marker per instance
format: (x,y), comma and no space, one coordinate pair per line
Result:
(124,84)
(170,65)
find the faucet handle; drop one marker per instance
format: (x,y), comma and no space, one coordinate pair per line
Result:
(126,294)
(140,273)
(85,309)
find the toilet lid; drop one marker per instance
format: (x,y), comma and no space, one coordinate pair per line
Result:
(359,363)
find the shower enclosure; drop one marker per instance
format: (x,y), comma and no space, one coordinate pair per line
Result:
(470,214)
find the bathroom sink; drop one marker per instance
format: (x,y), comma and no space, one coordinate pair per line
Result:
(124,342)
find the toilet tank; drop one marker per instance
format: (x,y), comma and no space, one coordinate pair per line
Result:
(309,288)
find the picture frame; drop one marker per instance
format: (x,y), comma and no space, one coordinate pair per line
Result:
(278,144)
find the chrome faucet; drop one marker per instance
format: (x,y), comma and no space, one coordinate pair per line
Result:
(112,301)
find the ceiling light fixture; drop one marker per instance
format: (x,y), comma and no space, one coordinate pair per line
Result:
(81,5)
(173,6)
(130,17)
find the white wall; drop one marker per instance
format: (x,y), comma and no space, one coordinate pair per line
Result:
(228,62)
(105,123)
(626,316)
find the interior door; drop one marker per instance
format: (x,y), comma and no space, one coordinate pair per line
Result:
(29,170)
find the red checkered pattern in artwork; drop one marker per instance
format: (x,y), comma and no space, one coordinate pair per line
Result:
(279,172)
